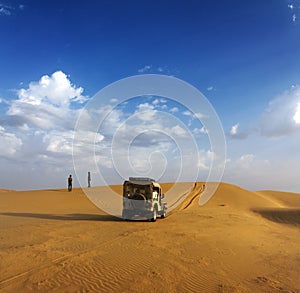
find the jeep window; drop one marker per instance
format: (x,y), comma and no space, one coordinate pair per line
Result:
(133,190)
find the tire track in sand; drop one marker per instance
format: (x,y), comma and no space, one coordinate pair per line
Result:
(195,192)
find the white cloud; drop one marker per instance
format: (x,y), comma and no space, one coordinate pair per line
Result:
(41,125)
(8,9)
(205,159)
(280,119)
(9,143)
(296,117)
(174,110)
(187,113)
(145,112)
(59,142)
(201,130)
(46,103)
(281,116)
(194,115)
(111,119)
(199,115)
(159,69)
(41,129)
(246,160)
(250,171)
(145,69)
(293,9)
(5,9)
(236,133)
(210,88)
(234,129)
(160,103)
(179,131)
(244,163)
(113,100)
(56,90)
(256,173)
(155,102)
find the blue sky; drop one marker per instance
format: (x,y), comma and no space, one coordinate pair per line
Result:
(242,55)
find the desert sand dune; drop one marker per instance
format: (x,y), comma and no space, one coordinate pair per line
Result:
(240,241)
(288,210)
(287,199)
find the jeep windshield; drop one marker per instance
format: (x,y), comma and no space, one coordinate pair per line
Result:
(137,191)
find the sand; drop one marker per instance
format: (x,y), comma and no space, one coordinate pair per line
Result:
(240,241)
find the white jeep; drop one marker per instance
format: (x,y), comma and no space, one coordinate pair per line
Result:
(142,197)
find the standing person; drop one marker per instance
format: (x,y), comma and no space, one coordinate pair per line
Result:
(70,183)
(89,179)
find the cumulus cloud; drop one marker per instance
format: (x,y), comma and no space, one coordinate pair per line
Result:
(296,117)
(246,163)
(39,125)
(201,130)
(281,118)
(236,133)
(145,112)
(56,90)
(205,158)
(178,131)
(155,102)
(9,143)
(197,115)
(46,104)
(174,110)
(143,134)
(234,129)
(160,103)
(187,113)
(59,142)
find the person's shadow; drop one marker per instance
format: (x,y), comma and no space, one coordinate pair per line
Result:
(66,217)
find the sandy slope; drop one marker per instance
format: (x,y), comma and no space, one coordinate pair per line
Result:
(240,241)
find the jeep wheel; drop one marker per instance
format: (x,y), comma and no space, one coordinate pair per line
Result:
(163,215)
(154,216)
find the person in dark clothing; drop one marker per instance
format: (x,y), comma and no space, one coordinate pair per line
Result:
(70,183)
(89,179)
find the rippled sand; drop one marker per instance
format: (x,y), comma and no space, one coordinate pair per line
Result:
(240,241)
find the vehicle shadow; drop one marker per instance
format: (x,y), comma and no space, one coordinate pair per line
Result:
(66,217)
